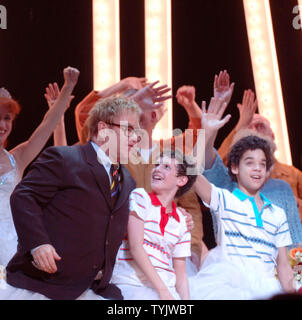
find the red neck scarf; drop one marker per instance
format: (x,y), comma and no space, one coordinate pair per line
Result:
(164,216)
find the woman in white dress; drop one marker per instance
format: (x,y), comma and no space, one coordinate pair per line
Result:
(14,162)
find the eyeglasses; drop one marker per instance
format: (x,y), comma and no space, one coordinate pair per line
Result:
(128,130)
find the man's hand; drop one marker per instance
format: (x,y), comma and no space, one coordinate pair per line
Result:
(222,88)
(151,98)
(71,76)
(52,93)
(45,258)
(189,219)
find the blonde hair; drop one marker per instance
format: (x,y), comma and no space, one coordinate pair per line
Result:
(106,110)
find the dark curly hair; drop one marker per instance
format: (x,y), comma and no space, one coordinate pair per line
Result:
(185,167)
(249,143)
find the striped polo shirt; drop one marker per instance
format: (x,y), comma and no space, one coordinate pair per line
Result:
(247,235)
(161,248)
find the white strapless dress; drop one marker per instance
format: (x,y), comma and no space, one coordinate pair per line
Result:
(8,235)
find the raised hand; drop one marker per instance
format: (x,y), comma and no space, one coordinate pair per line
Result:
(133,83)
(222,88)
(211,118)
(246,109)
(186,96)
(52,93)
(151,98)
(71,76)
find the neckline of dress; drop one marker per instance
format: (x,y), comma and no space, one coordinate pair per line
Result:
(3,176)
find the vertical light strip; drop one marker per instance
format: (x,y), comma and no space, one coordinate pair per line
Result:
(159,54)
(106,43)
(266,72)
(299,9)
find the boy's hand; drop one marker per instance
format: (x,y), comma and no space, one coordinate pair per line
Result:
(165,295)
(189,218)
(211,118)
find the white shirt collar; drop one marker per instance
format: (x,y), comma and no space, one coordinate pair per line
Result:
(102,158)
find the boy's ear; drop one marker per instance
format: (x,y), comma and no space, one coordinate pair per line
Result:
(234,169)
(181,181)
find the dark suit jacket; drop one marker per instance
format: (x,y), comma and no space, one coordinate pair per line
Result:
(65,201)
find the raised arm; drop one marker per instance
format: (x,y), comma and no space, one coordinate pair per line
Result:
(223,89)
(151,97)
(27,151)
(51,95)
(211,123)
(186,96)
(247,110)
(82,109)
(123,85)
(136,238)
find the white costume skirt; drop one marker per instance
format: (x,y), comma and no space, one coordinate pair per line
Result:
(8,292)
(220,279)
(132,292)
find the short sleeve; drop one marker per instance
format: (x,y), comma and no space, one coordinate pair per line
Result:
(183,246)
(283,238)
(138,202)
(217,203)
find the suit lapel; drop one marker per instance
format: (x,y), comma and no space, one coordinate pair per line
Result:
(127,186)
(98,172)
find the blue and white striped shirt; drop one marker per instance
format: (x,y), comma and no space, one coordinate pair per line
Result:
(247,235)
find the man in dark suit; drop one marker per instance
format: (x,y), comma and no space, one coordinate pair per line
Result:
(71,210)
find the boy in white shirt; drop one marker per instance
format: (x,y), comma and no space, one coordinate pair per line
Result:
(151,262)
(252,232)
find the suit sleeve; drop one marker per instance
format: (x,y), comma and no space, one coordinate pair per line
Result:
(32,195)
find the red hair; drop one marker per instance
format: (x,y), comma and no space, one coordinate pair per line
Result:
(11,105)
